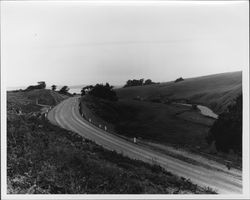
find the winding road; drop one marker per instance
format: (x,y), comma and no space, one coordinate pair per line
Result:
(217,177)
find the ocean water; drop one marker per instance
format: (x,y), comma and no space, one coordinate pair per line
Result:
(75,90)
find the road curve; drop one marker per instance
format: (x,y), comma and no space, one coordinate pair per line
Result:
(66,115)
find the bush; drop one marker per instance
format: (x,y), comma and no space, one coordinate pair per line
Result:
(179,79)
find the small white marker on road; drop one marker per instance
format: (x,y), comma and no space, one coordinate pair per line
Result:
(89,120)
(105,127)
(134,140)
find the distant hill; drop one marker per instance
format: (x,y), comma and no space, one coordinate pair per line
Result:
(216,91)
(29,98)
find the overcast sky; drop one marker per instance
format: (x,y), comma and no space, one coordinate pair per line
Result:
(66,43)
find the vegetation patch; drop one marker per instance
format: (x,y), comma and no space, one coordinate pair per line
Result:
(139,82)
(155,122)
(176,125)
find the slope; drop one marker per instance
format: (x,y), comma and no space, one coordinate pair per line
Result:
(214,91)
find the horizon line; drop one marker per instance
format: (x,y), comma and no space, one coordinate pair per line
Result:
(8,88)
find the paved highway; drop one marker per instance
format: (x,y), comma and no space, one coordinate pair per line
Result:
(66,115)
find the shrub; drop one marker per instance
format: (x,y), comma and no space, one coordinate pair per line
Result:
(179,79)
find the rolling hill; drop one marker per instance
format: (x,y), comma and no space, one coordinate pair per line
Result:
(215,91)
(27,99)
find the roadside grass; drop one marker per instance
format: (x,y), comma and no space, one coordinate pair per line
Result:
(45,159)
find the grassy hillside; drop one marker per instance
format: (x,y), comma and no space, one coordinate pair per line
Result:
(46,96)
(215,91)
(177,125)
(45,159)
(26,101)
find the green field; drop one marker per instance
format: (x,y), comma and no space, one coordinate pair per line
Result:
(45,159)
(214,91)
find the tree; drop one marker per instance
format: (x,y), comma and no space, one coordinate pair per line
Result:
(226,132)
(103,91)
(134,82)
(53,87)
(148,82)
(83,92)
(41,84)
(86,89)
(179,79)
(64,90)
(139,82)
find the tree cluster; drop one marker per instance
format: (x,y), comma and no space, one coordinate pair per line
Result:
(227,130)
(64,90)
(139,82)
(86,89)
(41,85)
(179,79)
(101,91)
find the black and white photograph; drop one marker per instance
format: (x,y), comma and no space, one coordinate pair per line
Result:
(125,99)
